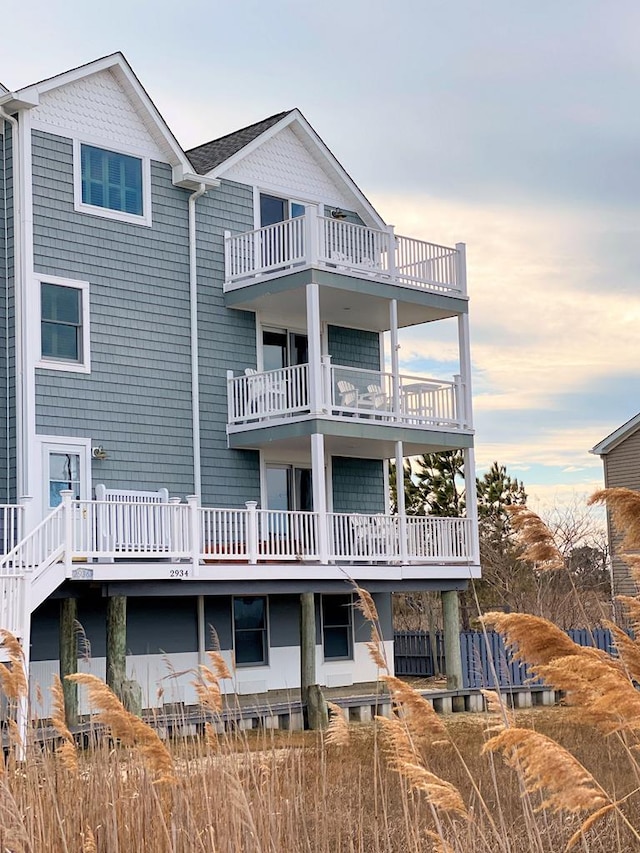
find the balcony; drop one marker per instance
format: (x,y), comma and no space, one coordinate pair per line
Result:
(347,392)
(89,531)
(342,247)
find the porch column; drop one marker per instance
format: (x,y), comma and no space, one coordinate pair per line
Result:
(465,416)
(68,654)
(395,358)
(319,485)
(471,502)
(452,654)
(315,352)
(117,643)
(315,707)
(400,502)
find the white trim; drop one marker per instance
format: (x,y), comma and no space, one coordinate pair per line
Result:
(83,366)
(107,212)
(63,444)
(616,437)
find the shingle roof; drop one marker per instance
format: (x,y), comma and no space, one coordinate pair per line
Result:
(206,157)
(3,90)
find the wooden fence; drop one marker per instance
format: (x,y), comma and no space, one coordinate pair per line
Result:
(413,656)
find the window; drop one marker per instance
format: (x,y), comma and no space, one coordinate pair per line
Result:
(64,325)
(111,180)
(337,627)
(112,184)
(250,630)
(64,473)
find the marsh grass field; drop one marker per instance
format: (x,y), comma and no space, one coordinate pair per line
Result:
(542,781)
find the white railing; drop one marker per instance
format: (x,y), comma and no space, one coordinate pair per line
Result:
(40,548)
(224,534)
(314,240)
(412,399)
(432,538)
(370,394)
(265,249)
(11,524)
(345,245)
(13,603)
(287,535)
(130,528)
(355,537)
(273,393)
(426,265)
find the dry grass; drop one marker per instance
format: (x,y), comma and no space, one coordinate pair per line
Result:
(536,782)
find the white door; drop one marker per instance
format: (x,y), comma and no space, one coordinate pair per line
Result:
(66,465)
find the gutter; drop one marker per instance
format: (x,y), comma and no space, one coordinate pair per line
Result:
(17,297)
(195,374)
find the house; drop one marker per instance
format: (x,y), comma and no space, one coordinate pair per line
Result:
(620,453)
(202,393)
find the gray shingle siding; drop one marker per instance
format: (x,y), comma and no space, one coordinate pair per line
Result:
(137,400)
(227,341)
(354,347)
(358,485)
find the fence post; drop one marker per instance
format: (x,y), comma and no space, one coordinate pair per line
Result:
(461,268)
(327,385)
(230,398)
(175,542)
(252,531)
(194,533)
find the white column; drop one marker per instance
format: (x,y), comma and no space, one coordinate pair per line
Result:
(395,356)
(465,367)
(319,484)
(315,350)
(400,503)
(471,500)
(312,234)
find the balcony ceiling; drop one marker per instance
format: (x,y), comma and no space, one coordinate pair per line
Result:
(346,437)
(345,300)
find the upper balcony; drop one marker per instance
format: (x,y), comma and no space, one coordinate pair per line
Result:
(349,257)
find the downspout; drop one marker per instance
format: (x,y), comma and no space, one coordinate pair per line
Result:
(195,375)
(17,298)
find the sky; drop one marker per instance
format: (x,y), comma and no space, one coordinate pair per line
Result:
(510,126)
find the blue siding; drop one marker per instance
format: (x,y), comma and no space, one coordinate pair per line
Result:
(354,347)
(137,400)
(358,485)
(227,342)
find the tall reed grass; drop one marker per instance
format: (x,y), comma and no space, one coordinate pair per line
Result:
(508,782)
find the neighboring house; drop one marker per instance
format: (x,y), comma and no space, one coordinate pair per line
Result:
(199,408)
(620,453)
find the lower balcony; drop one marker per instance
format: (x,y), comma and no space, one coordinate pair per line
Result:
(262,398)
(126,530)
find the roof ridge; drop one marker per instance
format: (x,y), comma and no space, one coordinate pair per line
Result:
(272,118)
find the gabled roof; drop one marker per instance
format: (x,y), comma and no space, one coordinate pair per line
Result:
(243,142)
(3,89)
(617,437)
(209,155)
(118,65)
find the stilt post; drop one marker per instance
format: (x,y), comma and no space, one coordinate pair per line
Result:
(452,653)
(316,714)
(69,658)
(117,643)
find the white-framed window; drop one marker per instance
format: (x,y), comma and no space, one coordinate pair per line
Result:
(337,626)
(250,630)
(66,464)
(112,183)
(64,324)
